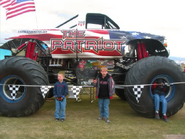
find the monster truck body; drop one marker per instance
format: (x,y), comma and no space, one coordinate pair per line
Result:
(84,44)
(108,41)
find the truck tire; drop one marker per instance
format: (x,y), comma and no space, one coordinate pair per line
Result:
(120,93)
(50,93)
(27,100)
(148,70)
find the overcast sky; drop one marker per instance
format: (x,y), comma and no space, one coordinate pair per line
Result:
(161,17)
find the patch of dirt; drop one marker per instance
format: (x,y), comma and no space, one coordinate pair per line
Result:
(50,99)
(175,136)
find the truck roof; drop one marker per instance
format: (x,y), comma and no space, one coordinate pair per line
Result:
(83,19)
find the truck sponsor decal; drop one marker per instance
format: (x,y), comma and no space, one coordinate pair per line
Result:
(73,40)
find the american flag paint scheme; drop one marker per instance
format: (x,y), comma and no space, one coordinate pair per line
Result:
(87,43)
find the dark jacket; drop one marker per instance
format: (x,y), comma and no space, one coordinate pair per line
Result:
(111,85)
(60,89)
(160,90)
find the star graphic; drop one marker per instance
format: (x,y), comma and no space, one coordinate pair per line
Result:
(147,37)
(122,37)
(135,33)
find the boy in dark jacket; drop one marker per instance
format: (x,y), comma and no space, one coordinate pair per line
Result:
(104,91)
(159,96)
(60,92)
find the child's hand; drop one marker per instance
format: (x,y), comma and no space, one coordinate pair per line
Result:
(95,81)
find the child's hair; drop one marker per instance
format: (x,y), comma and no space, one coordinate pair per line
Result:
(104,68)
(60,72)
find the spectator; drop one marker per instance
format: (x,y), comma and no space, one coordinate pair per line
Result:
(104,91)
(159,96)
(60,92)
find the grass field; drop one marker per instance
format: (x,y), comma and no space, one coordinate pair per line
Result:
(81,122)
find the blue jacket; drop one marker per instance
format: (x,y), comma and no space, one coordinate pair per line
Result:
(60,89)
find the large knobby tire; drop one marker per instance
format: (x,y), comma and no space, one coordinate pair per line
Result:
(120,93)
(119,80)
(50,93)
(146,71)
(27,100)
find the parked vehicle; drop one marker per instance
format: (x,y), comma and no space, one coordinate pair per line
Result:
(81,46)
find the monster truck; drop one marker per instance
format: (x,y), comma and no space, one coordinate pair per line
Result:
(81,46)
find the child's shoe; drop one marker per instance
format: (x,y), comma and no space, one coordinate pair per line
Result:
(107,120)
(166,119)
(157,116)
(100,118)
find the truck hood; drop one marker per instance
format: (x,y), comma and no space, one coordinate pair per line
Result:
(133,35)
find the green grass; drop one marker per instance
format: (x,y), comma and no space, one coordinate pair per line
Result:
(81,123)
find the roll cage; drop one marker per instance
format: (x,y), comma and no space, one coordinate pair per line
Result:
(93,18)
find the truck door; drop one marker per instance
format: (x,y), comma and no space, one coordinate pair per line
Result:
(96,42)
(65,46)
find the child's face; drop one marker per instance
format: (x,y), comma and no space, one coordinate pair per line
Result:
(103,72)
(161,84)
(60,77)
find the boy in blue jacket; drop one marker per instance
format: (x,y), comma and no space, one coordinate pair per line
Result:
(60,92)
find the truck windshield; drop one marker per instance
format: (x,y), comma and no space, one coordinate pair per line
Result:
(71,23)
(99,21)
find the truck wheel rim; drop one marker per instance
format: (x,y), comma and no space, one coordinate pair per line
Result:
(10,93)
(170,89)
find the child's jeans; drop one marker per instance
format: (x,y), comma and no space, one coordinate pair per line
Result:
(104,107)
(60,105)
(157,100)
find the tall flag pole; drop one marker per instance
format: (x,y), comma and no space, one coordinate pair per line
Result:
(36,17)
